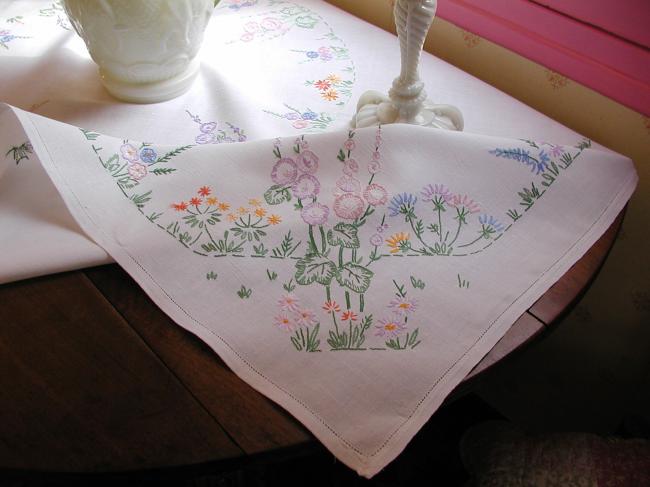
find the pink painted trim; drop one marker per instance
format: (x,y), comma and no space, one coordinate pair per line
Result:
(591,56)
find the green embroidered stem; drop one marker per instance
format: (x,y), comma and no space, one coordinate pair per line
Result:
(311,239)
(322,239)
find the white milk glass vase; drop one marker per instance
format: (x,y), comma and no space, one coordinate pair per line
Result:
(146,50)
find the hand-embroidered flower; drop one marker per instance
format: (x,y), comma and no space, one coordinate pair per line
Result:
(205,138)
(315,214)
(129,152)
(330,95)
(182,206)
(311,54)
(374,167)
(390,327)
(284,171)
(348,206)
(349,144)
(349,315)
(470,205)
(403,203)
(348,184)
(305,317)
(435,191)
(375,194)
(208,127)
(376,240)
(148,155)
(350,167)
(308,116)
(306,186)
(137,171)
(322,85)
(402,305)
(270,23)
(331,307)
(195,201)
(307,162)
(284,322)
(289,302)
(260,212)
(223,206)
(399,242)
(273,219)
(204,191)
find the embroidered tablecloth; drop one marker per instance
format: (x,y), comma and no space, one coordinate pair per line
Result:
(354,277)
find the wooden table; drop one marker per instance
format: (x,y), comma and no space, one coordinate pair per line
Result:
(94,377)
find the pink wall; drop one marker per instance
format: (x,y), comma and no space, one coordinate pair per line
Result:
(586,52)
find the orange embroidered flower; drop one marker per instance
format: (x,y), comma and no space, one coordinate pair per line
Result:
(322,85)
(260,212)
(273,219)
(232,217)
(254,202)
(204,190)
(242,210)
(211,201)
(224,206)
(330,95)
(331,306)
(182,206)
(349,315)
(196,201)
(333,78)
(399,241)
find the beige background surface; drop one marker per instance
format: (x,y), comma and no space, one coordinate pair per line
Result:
(593,370)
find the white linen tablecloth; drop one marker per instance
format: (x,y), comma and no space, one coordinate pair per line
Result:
(354,277)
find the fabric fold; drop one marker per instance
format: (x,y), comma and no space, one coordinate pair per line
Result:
(354,277)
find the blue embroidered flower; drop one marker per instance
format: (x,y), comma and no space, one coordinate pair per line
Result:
(309,116)
(312,54)
(148,155)
(490,225)
(403,204)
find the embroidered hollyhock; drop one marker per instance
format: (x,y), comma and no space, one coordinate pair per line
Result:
(375,194)
(307,162)
(315,214)
(306,186)
(350,167)
(284,171)
(349,184)
(349,206)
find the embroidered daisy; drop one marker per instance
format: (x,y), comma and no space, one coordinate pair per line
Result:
(322,85)
(402,305)
(305,317)
(390,328)
(260,212)
(254,202)
(349,315)
(196,201)
(273,219)
(224,206)
(204,191)
(330,95)
(399,242)
(284,322)
(182,206)
(211,201)
(331,307)
(289,302)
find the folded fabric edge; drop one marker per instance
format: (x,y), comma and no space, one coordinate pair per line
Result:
(366,465)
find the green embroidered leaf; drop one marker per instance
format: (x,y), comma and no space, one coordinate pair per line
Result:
(344,234)
(277,194)
(355,277)
(315,268)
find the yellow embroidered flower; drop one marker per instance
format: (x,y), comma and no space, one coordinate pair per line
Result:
(273,219)
(232,217)
(330,95)
(211,201)
(242,210)
(333,78)
(254,202)
(260,212)
(224,206)
(399,241)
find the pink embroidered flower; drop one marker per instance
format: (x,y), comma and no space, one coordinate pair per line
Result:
(129,152)
(322,85)
(270,23)
(305,317)
(182,206)
(390,328)
(350,167)
(196,201)
(307,162)
(284,322)
(376,240)
(247,37)
(331,307)
(300,124)
(435,191)
(315,214)
(289,302)
(374,167)
(251,27)
(306,186)
(349,144)
(208,127)
(349,315)
(204,191)
(470,205)
(376,155)
(349,184)
(348,206)
(304,145)
(375,194)
(284,171)
(137,171)
(403,306)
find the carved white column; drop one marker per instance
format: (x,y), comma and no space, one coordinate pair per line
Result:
(407,100)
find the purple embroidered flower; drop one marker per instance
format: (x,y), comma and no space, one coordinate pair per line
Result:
(129,152)
(402,305)
(374,167)
(137,171)
(348,206)
(390,327)
(306,186)
(208,127)
(381,228)
(148,155)
(349,184)
(289,302)
(205,138)
(376,240)
(315,214)
(311,54)
(469,204)
(402,204)
(490,225)
(309,116)
(292,116)
(350,167)
(375,194)
(284,322)
(307,162)
(556,150)
(305,317)
(437,192)
(284,171)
